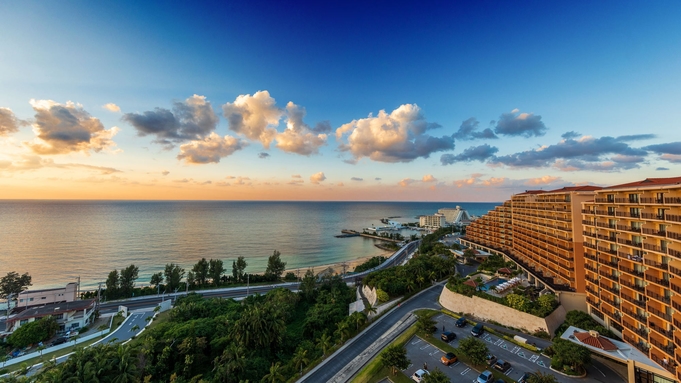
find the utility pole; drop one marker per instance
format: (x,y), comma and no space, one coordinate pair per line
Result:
(248,277)
(9,301)
(78,289)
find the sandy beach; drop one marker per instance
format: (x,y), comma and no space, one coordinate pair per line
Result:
(336,268)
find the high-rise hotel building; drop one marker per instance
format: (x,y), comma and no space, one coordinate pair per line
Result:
(619,245)
(632,236)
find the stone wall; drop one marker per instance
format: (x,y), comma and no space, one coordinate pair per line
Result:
(572,301)
(488,310)
(370,294)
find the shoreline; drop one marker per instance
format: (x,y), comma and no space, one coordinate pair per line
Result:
(336,268)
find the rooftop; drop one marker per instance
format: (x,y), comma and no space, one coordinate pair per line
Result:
(53,308)
(576,188)
(648,182)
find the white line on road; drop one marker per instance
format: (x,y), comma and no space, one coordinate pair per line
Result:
(425,347)
(434,352)
(534,358)
(598,370)
(464,372)
(417,341)
(508,373)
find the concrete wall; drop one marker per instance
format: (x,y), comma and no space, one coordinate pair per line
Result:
(572,301)
(370,294)
(488,310)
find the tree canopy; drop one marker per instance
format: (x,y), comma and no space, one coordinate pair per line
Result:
(475,349)
(395,357)
(275,266)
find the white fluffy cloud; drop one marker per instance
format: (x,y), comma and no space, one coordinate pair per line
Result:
(298,137)
(8,122)
(111,107)
(66,128)
(317,177)
(396,137)
(209,149)
(254,117)
(428,178)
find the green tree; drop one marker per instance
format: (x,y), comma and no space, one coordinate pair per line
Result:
(239,268)
(300,359)
(358,318)
(436,376)
(200,270)
(275,374)
(540,377)
(475,349)
(570,354)
(547,302)
(13,283)
(127,280)
(112,285)
(125,365)
(382,296)
(34,332)
(395,357)
(275,266)
(324,343)
(425,323)
(173,274)
(215,270)
(191,279)
(518,302)
(231,362)
(308,284)
(156,279)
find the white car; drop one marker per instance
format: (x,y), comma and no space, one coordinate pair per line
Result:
(419,374)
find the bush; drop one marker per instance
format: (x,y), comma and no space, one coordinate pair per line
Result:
(83,329)
(370,264)
(290,277)
(34,332)
(382,296)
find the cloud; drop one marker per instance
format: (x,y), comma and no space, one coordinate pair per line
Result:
(340,184)
(396,137)
(356,179)
(377,178)
(8,122)
(406,182)
(298,137)
(322,127)
(570,134)
(667,148)
(263,155)
(296,182)
(476,181)
(468,131)
(545,180)
(192,119)
(428,178)
(67,128)
(475,153)
(520,124)
(29,162)
(673,158)
(296,176)
(317,177)
(661,168)
(253,116)
(165,172)
(636,137)
(587,153)
(111,107)
(210,149)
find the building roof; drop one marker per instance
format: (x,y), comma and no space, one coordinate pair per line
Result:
(45,290)
(532,192)
(53,309)
(505,270)
(593,339)
(471,282)
(576,188)
(648,182)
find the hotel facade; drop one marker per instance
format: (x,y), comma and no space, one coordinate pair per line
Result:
(617,247)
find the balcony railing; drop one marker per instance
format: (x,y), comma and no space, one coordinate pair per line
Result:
(629,243)
(660,314)
(667,366)
(660,281)
(631,271)
(637,302)
(629,228)
(634,286)
(640,317)
(658,296)
(672,200)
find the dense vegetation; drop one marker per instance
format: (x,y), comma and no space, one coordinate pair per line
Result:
(417,273)
(34,332)
(222,340)
(370,264)
(584,321)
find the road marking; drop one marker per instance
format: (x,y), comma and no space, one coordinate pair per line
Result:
(434,352)
(504,346)
(598,370)
(515,349)
(425,347)
(508,373)
(454,365)
(534,358)
(417,341)
(541,363)
(498,342)
(464,372)
(521,354)
(408,367)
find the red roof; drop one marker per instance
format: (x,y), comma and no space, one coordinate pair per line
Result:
(471,282)
(576,188)
(649,182)
(595,341)
(532,192)
(505,270)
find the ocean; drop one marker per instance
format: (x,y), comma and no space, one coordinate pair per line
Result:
(58,241)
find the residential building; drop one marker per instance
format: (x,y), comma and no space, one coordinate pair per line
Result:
(69,315)
(432,222)
(633,265)
(29,298)
(458,216)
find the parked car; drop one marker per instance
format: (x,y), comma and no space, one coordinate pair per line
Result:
(448,336)
(448,358)
(59,341)
(478,330)
(485,377)
(419,374)
(491,359)
(461,322)
(502,365)
(526,377)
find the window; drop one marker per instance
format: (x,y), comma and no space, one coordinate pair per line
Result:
(633,198)
(23,322)
(43,298)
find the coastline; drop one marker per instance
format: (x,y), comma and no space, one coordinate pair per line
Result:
(336,268)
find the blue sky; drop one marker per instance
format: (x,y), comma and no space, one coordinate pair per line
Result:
(528,72)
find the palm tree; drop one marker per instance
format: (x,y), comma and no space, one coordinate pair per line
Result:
(125,365)
(231,362)
(342,330)
(359,318)
(324,343)
(300,359)
(369,309)
(420,279)
(275,375)
(432,276)
(410,285)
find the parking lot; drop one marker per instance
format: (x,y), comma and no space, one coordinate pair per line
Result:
(421,352)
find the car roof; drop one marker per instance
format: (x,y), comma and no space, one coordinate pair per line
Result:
(486,373)
(450,354)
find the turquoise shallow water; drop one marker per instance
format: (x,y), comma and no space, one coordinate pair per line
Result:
(56,241)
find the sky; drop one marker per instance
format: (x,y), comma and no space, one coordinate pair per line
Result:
(401,101)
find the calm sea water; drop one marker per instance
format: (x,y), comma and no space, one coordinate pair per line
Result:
(57,241)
